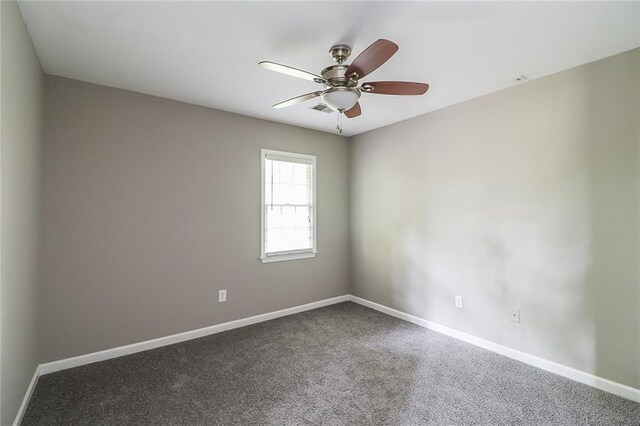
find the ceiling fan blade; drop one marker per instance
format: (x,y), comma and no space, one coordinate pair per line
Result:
(295,72)
(354,111)
(395,88)
(297,99)
(372,57)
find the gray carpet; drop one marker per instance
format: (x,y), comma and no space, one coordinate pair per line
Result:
(343,364)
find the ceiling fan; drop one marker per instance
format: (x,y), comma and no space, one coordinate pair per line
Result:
(341,81)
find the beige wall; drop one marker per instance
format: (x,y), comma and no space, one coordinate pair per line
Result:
(151,206)
(21,104)
(527,198)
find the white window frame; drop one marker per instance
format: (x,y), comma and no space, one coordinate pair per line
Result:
(294,254)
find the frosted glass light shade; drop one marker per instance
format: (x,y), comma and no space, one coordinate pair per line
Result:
(340,99)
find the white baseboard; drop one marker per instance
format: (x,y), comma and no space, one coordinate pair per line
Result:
(63,364)
(77,361)
(562,370)
(27,397)
(559,369)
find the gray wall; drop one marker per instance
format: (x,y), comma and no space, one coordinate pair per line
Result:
(151,206)
(527,198)
(20,136)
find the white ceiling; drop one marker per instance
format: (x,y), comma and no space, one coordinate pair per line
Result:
(206,52)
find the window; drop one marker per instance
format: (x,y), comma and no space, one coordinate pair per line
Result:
(288,206)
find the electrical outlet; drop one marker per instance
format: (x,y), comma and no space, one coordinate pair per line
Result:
(515,315)
(459,302)
(222,296)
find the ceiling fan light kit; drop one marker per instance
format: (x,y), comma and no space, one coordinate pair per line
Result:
(341,81)
(341,98)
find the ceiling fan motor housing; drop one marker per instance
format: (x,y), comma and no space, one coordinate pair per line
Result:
(335,77)
(341,93)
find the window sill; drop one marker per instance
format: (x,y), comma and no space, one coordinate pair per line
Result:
(288,256)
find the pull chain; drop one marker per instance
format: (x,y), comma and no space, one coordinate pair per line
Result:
(339,126)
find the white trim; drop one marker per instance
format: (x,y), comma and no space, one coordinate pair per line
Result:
(27,397)
(77,361)
(288,256)
(554,367)
(292,156)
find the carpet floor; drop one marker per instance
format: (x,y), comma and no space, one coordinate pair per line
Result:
(339,365)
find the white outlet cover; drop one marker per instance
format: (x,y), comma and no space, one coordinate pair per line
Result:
(515,315)
(459,302)
(222,296)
